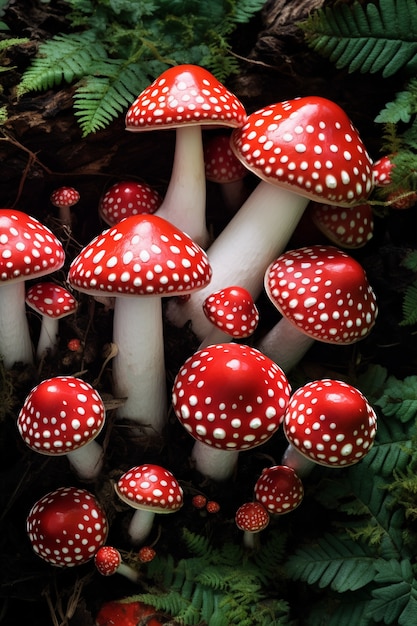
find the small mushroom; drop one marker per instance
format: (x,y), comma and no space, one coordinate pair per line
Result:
(327,422)
(67,526)
(108,561)
(52,302)
(224,168)
(127,198)
(350,227)
(64,198)
(252,518)
(149,489)
(279,489)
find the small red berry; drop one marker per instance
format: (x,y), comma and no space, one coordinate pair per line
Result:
(199,501)
(74,345)
(212,506)
(146,554)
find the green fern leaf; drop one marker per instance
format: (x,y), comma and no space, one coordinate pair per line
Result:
(366,38)
(348,609)
(402,108)
(62,58)
(244,10)
(396,601)
(392,449)
(399,399)
(409,306)
(334,561)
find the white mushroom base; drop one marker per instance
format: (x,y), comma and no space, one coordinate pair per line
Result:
(48,337)
(297,461)
(140,525)
(219,465)
(285,344)
(87,461)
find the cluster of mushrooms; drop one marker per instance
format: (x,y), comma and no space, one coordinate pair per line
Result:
(229,396)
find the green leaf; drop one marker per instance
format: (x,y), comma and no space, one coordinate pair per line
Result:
(394,602)
(399,398)
(335,561)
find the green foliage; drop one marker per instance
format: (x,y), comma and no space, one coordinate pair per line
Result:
(115,48)
(366,38)
(220,586)
(360,565)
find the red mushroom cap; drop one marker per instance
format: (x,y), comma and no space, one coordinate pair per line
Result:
(124,613)
(307,145)
(350,227)
(221,164)
(67,526)
(60,414)
(233,311)
(27,248)
(64,196)
(185,94)
(330,422)
(51,300)
(141,255)
(127,198)
(381,171)
(107,560)
(324,292)
(252,517)
(150,487)
(279,489)
(230,396)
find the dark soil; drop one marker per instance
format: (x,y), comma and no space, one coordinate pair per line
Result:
(41,148)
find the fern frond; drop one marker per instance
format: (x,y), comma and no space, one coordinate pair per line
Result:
(399,399)
(402,108)
(5,44)
(391,450)
(394,601)
(197,544)
(409,306)
(366,38)
(335,561)
(244,10)
(62,58)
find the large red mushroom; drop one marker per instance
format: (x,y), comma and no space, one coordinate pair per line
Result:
(186,98)
(230,398)
(139,261)
(303,149)
(28,250)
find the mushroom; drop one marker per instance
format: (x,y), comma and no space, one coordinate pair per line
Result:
(52,302)
(67,526)
(129,613)
(324,295)
(279,489)
(224,168)
(303,149)
(139,261)
(62,416)
(229,397)
(27,250)
(185,98)
(350,228)
(108,561)
(399,198)
(149,489)
(252,518)
(233,314)
(64,198)
(327,422)
(127,198)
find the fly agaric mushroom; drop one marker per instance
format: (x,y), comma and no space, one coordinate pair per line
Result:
(53,302)
(230,398)
(67,526)
(224,168)
(303,149)
(64,198)
(27,250)
(398,198)
(233,314)
(324,295)
(126,613)
(127,198)
(139,261)
(330,423)
(350,228)
(62,416)
(149,489)
(108,561)
(185,98)
(279,489)
(252,518)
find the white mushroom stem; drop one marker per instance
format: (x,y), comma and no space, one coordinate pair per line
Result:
(87,461)
(184,204)
(141,525)
(240,255)
(219,465)
(297,461)
(15,341)
(285,344)
(139,366)
(250,539)
(128,572)
(48,336)
(216,335)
